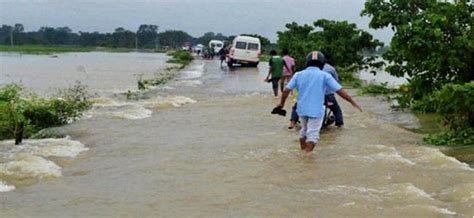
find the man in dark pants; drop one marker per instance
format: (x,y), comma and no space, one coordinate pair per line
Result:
(330,98)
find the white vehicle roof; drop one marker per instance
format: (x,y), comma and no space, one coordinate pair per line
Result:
(247,39)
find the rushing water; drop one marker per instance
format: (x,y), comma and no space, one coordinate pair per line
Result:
(206,145)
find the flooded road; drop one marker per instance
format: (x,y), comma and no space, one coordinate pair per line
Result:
(206,145)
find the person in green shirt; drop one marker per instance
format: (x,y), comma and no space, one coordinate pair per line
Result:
(275,72)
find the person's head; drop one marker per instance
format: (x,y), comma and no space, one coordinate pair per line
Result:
(285,52)
(328,57)
(315,59)
(273,53)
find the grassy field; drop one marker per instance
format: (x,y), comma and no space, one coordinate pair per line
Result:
(42,49)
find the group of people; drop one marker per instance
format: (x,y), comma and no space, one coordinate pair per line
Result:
(209,53)
(313,88)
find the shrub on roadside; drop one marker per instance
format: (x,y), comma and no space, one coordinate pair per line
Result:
(455,103)
(181,57)
(377,89)
(36,113)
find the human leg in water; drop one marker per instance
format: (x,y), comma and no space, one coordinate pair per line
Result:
(336,110)
(275,82)
(310,128)
(294,117)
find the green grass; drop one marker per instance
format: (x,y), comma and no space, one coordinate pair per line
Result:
(41,49)
(47,50)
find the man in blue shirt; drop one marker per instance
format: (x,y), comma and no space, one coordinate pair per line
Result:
(312,84)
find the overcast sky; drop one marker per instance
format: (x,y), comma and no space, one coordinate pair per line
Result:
(230,17)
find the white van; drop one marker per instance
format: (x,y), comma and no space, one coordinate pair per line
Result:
(217,44)
(245,50)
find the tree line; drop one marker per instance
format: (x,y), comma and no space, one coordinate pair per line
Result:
(146,36)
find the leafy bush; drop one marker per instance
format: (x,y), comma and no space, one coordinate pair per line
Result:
(36,113)
(433,42)
(377,89)
(451,137)
(160,79)
(455,103)
(181,57)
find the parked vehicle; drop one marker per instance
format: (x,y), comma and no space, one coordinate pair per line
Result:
(245,50)
(217,45)
(199,48)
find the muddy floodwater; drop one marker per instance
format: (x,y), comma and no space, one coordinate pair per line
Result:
(102,72)
(206,145)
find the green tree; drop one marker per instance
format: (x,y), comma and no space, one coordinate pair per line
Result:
(123,38)
(342,42)
(433,42)
(174,38)
(5,34)
(146,35)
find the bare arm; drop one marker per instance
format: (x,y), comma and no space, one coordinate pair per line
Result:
(269,70)
(348,98)
(284,96)
(269,73)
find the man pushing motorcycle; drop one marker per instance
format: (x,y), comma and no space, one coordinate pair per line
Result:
(312,84)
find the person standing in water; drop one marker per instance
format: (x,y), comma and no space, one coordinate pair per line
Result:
(331,98)
(289,69)
(312,83)
(276,65)
(223,54)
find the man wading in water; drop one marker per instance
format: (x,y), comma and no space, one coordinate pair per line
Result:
(312,84)
(276,72)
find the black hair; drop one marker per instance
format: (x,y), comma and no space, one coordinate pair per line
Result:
(273,52)
(328,57)
(285,51)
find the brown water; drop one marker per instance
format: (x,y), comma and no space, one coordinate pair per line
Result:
(102,72)
(206,145)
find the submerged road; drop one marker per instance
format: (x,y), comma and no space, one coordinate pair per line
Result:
(221,153)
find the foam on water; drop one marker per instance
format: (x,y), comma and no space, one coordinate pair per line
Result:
(460,192)
(23,166)
(29,160)
(404,191)
(377,153)
(123,110)
(64,147)
(174,101)
(190,83)
(433,157)
(195,72)
(135,110)
(5,188)
(418,208)
(132,112)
